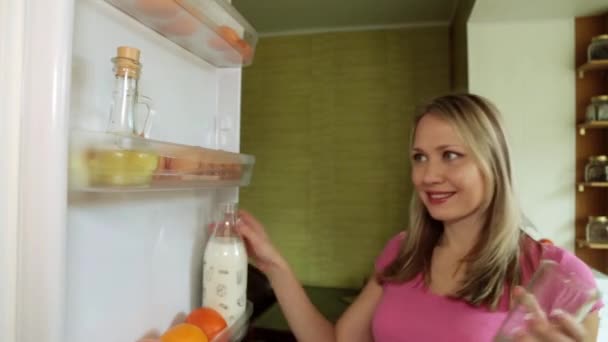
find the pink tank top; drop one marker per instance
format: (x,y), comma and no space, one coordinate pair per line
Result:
(409,312)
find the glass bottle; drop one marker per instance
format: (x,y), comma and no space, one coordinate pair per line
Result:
(596,169)
(598,49)
(225,268)
(125,116)
(601,106)
(597,229)
(125,161)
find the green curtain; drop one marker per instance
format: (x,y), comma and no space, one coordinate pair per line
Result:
(328,118)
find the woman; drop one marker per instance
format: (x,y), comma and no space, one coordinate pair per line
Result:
(454,274)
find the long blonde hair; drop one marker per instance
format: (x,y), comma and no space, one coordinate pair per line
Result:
(493,261)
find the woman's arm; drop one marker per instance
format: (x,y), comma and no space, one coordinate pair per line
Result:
(355,325)
(305,321)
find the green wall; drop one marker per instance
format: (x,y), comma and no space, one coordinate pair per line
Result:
(328,117)
(460,68)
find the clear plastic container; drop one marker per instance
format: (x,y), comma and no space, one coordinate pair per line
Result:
(598,49)
(210,29)
(553,288)
(102,162)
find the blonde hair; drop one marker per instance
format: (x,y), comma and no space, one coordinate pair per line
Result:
(493,261)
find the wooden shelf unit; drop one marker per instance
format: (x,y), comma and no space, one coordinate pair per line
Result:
(591,82)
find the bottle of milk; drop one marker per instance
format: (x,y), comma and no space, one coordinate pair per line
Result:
(225,268)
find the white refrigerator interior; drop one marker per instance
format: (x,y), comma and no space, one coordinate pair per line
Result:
(134,258)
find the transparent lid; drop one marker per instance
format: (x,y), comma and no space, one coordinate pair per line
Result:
(601,37)
(598,219)
(599,98)
(598,159)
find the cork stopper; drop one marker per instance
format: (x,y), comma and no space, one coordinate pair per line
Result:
(126,62)
(128,52)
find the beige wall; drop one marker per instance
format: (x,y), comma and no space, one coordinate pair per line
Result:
(327,117)
(527,69)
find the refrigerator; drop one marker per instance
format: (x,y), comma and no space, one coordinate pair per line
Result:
(82,262)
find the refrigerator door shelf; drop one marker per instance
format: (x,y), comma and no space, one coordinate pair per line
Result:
(108,162)
(234,333)
(210,29)
(237,331)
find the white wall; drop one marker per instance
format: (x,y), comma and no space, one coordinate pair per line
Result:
(501,10)
(527,69)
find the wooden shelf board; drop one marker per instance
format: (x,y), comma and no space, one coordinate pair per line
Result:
(585,244)
(582,128)
(582,186)
(592,66)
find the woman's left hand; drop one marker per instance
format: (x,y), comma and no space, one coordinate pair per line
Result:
(558,327)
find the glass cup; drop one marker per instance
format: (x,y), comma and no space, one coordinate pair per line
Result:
(553,289)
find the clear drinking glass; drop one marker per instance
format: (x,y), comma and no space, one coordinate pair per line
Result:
(554,289)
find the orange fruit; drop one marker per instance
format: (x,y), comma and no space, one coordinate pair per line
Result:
(158,8)
(228,34)
(245,50)
(183,25)
(219,44)
(184,333)
(209,320)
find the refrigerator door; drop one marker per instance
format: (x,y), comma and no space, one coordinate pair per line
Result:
(36,55)
(35,73)
(11,56)
(134,259)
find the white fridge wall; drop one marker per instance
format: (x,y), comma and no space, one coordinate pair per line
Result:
(134,259)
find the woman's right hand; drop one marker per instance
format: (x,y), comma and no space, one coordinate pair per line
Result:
(259,247)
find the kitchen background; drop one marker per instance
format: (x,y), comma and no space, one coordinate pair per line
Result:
(325,114)
(328,102)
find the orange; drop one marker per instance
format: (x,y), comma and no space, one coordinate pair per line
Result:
(245,50)
(183,25)
(158,8)
(228,34)
(184,333)
(207,319)
(186,164)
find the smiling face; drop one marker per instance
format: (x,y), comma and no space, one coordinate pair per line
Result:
(445,174)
